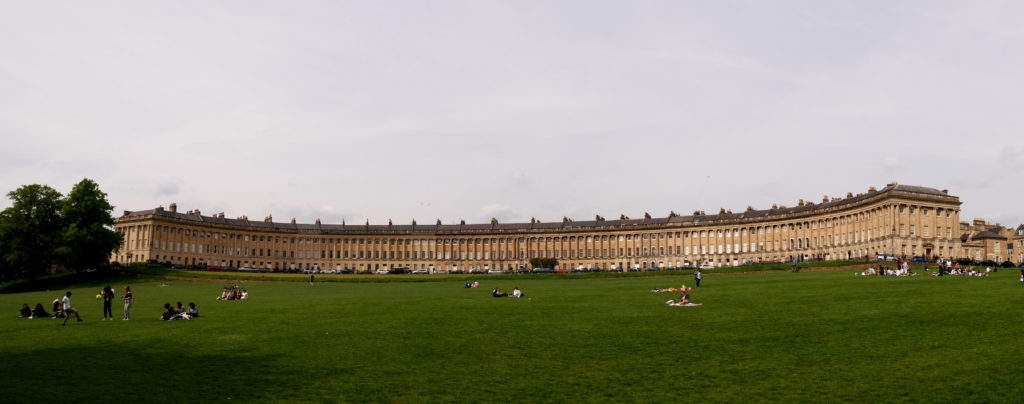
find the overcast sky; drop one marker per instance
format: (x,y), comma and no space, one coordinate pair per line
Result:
(479,109)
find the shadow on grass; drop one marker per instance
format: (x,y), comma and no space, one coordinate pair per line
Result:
(114,373)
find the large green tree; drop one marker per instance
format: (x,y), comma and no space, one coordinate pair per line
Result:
(88,237)
(30,231)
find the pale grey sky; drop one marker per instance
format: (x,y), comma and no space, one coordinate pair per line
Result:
(519,109)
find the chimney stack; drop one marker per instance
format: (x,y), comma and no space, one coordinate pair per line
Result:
(174,207)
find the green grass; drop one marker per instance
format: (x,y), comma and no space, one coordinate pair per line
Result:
(369,278)
(772,336)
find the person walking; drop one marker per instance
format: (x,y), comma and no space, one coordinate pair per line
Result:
(311,278)
(68,310)
(108,300)
(697,276)
(127,302)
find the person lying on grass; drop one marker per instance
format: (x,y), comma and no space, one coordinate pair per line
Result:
(39,312)
(681,289)
(498,293)
(684,300)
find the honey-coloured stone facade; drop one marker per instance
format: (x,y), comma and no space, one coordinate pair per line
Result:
(898,219)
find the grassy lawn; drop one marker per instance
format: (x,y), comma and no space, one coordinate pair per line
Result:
(773,336)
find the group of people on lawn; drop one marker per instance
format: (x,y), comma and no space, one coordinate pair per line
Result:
(179,312)
(882,271)
(234,293)
(62,307)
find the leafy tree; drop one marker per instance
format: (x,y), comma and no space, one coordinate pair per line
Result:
(543,262)
(30,231)
(88,237)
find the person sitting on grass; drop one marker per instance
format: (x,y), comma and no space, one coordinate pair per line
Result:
(57,312)
(467,285)
(193,311)
(170,312)
(224,294)
(475,285)
(498,293)
(39,312)
(25,311)
(245,295)
(516,293)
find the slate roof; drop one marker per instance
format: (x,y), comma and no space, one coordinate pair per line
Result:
(988,234)
(584,224)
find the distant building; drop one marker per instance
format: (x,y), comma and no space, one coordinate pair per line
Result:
(983,241)
(898,219)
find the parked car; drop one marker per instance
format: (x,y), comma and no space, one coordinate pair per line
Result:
(382,271)
(707,265)
(987,263)
(346,271)
(543,271)
(400,270)
(457,271)
(885,257)
(919,259)
(421,271)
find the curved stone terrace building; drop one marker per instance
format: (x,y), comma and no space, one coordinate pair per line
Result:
(898,219)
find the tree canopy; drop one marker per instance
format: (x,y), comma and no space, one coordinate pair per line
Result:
(88,237)
(543,262)
(42,230)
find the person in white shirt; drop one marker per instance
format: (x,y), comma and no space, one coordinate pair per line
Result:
(516,292)
(68,310)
